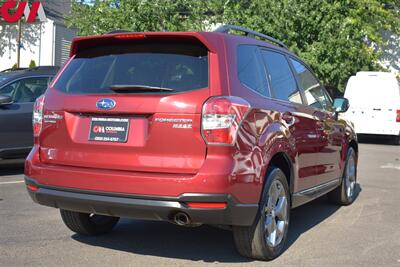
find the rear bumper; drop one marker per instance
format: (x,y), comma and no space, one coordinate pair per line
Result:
(220,174)
(144,207)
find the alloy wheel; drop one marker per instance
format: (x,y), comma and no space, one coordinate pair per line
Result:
(350,178)
(275,212)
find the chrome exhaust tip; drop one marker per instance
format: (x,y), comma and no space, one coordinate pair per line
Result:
(182,219)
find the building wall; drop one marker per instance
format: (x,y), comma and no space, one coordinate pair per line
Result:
(63,39)
(37,40)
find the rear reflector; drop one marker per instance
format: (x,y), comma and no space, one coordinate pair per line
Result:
(32,187)
(206,205)
(221,118)
(398,115)
(130,36)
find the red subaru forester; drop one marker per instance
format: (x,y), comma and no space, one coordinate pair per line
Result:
(191,128)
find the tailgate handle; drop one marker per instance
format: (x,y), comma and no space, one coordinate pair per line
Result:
(377,109)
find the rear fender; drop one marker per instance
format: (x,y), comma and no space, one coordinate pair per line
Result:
(257,144)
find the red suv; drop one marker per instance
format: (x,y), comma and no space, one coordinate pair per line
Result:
(191,128)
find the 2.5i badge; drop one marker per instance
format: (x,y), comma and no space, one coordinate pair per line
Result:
(109,129)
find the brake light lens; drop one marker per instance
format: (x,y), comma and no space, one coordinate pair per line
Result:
(130,36)
(398,115)
(37,119)
(221,118)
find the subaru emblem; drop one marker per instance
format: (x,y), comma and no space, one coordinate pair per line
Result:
(106,104)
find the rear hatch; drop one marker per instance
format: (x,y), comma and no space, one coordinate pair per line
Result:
(130,102)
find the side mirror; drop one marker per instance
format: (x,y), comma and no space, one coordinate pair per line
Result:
(5,100)
(340,105)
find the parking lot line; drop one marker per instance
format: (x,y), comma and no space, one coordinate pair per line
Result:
(12,182)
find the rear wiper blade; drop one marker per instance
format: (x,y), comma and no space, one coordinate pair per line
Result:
(138,87)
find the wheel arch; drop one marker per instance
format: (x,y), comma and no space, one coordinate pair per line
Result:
(282,161)
(353,143)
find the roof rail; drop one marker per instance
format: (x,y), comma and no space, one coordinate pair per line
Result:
(249,33)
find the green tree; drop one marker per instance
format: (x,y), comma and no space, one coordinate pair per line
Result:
(101,16)
(32,63)
(337,38)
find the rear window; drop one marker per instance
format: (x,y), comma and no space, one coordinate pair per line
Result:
(181,66)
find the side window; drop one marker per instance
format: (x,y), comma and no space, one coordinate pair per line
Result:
(250,70)
(26,90)
(282,80)
(313,91)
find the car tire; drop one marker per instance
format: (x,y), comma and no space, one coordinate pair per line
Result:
(88,224)
(265,239)
(346,192)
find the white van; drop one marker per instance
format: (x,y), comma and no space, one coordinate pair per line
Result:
(374,103)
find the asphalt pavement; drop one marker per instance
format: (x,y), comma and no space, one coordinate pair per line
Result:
(366,233)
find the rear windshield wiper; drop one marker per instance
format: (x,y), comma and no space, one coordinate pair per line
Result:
(138,87)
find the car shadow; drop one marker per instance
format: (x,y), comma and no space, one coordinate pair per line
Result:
(307,216)
(204,243)
(11,167)
(163,239)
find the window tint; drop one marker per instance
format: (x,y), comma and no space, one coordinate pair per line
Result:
(314,92)
(26,90)
(281,77)
(250,70)
(178,66)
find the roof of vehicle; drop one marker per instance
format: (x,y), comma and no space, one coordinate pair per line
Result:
(210,39)
(8,75)
(375,74)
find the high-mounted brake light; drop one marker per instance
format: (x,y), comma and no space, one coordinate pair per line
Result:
(221,118)
(37,119)
(130,36)
(398,115)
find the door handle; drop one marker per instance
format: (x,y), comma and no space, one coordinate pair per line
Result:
(288,118)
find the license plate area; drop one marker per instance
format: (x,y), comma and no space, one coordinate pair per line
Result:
(109,129)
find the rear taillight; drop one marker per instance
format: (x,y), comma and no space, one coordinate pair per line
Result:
(221,118)
(398,115)
(37,118)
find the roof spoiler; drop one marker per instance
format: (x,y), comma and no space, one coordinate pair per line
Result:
(80,43)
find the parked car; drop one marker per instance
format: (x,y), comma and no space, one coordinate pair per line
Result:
(18,92)
(191,128)
(375,104)
(11,70)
